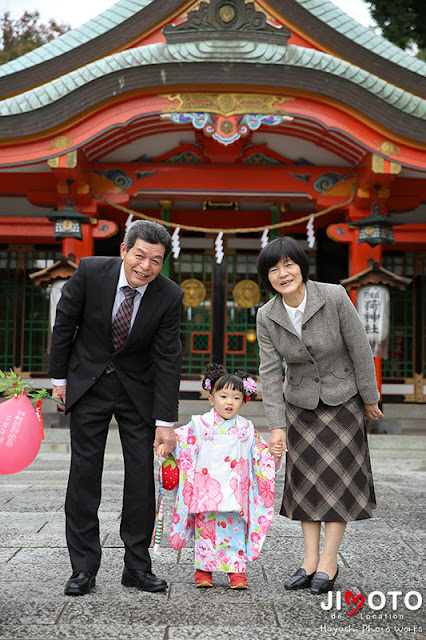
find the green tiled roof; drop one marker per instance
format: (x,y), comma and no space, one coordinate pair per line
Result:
(322,9)
(337,19)
(106,21)
(215,51)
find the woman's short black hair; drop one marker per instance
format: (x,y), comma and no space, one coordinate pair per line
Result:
(276,250)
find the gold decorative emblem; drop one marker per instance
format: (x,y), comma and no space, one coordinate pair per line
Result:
(60,143)
(388,148)
(67,224)
(369,230)
(194,292)
(226,126)
(246,293)
(226,104)
(226,13)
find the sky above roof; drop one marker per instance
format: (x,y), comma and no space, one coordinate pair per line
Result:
(80,11)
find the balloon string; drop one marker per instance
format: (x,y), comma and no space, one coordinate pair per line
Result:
(58,401)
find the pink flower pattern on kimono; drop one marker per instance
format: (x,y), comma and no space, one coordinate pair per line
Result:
(263,525)
(223,557)
(266,491)
(206,493)
(186,460)
(241,492)
(177,540)
(260,446)
(187,492)
(255,539)
(209,531)
(268,468)
(204,551)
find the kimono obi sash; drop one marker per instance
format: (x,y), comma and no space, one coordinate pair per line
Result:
(221,478)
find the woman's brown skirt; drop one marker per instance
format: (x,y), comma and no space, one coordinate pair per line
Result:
(328,470)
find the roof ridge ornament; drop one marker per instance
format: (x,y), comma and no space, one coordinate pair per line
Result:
(226,20)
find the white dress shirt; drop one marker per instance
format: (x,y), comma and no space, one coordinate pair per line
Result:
(296,315)
(119,297)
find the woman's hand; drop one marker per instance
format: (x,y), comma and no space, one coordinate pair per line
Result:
(277,442)
(372,411)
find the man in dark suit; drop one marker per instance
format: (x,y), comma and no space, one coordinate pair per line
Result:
(116,350)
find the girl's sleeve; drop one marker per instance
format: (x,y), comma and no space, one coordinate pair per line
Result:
(261,496)
(263,459)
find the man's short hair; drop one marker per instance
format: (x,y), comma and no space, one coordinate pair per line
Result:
(149,231)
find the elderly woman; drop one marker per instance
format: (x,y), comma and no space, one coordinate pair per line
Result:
(330,388)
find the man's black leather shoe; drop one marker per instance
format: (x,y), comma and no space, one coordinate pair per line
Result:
(300,580)
(142,580)
(321,583)
(80,583)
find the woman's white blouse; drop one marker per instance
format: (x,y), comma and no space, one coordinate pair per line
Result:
(296,315)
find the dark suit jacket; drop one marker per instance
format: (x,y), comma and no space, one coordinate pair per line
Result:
(149,363)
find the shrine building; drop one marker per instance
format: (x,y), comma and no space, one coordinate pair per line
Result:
(230,122)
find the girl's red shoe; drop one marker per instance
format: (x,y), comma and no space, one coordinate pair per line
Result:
(203,578)
(238,580)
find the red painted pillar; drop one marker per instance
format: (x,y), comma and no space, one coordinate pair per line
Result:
(79,248)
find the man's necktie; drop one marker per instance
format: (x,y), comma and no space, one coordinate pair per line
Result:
(121,324)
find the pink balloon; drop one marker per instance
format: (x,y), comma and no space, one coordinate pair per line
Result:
(20,434)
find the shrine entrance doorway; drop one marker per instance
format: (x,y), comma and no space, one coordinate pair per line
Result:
(219,310)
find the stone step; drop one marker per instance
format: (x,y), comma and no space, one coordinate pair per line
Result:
(404,411)
(57,442)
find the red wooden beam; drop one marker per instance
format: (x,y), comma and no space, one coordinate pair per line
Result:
(40,231)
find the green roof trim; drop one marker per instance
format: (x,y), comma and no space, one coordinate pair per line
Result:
(115,15)
(337,19)
(324,10)
(214,51)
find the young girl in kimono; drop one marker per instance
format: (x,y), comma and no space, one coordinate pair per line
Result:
(225,496)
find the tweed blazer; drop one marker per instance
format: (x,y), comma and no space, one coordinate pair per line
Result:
(332,361)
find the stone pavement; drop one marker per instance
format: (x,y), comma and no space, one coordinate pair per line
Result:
(383,554)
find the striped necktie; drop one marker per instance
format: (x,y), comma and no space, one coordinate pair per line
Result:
(121,324)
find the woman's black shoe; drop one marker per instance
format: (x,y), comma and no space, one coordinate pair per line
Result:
(321,583)
(300,580)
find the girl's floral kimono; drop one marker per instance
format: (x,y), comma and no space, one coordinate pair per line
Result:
(225,497)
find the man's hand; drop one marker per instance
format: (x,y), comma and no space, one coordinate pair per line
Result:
(59,392)
(166,437)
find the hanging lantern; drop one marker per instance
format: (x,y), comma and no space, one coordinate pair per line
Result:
(376,228)
(67,221)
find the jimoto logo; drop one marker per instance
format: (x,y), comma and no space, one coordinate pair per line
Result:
(376,600)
